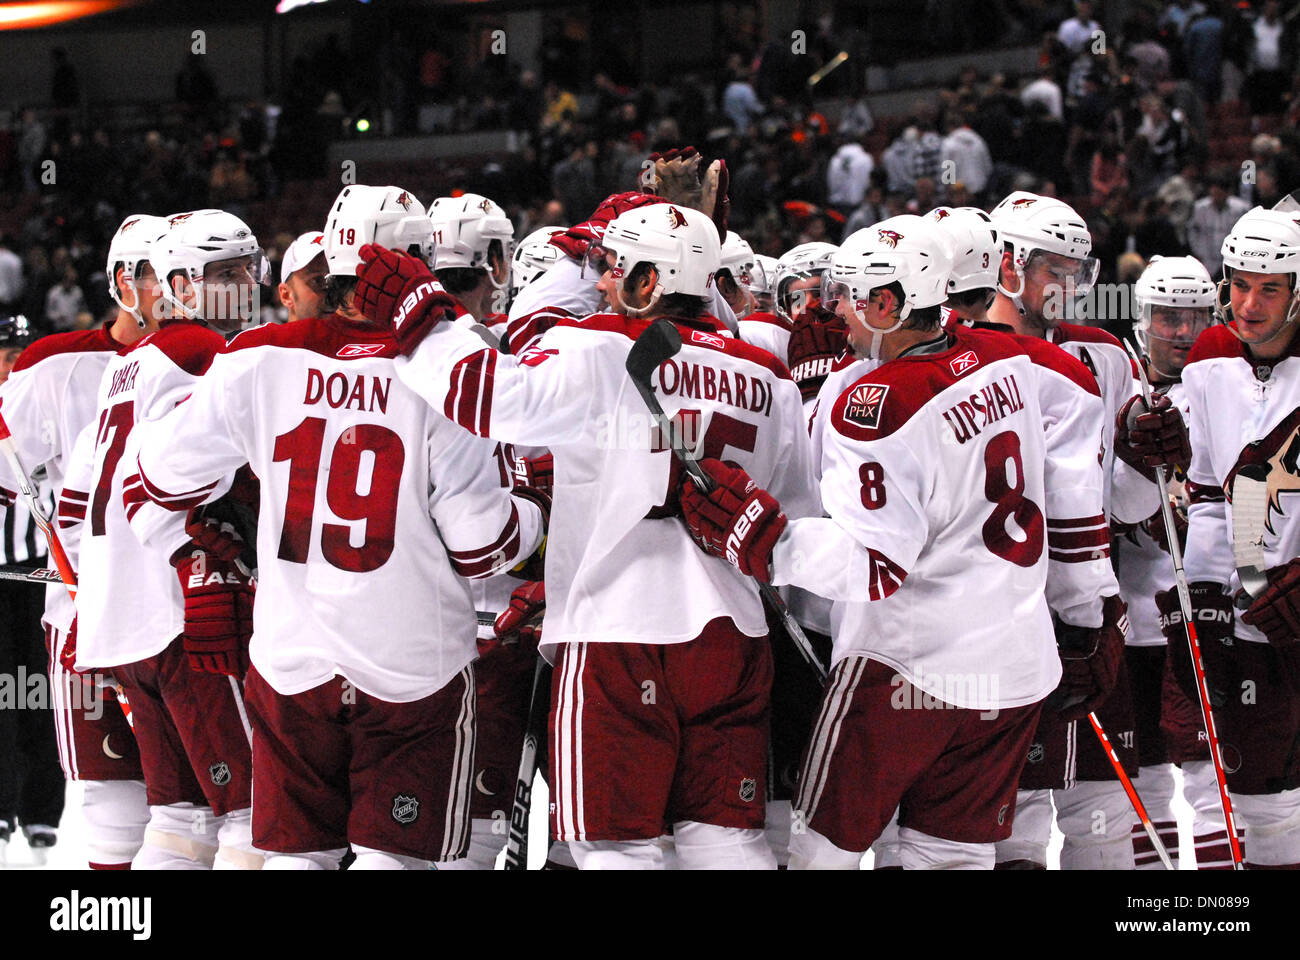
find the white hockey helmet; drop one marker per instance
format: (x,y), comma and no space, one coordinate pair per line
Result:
(1032,224)
(762,279)
(681,243)
(799,263)
(129,249)
(385,216)
(534,255)
(908,250)
(737,257)
(976,247)
(1261,241)
(1177,282)
(193,241)
(463,230)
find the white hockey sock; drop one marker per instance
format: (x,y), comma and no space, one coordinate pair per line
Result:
(810,850)
(1031,830)
(235,849)
(618,854)
(180,836)
(1097,820)
(777,829)
(485,843)
(371,859)
(707,846)
(886,848)
(312,860)
(116,814)
(921,851)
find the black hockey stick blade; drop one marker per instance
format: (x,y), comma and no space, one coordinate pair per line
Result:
(657,343)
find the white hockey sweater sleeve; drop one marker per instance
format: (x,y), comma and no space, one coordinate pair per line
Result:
(187,456)
(74,498)
(485,529)
(540,398)
(1079,572)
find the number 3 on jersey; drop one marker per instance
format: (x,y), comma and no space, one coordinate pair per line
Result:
(376,507)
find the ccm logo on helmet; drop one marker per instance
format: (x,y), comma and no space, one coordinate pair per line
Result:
(413,298)
(740,529)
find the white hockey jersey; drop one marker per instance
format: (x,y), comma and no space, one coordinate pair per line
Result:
(47,401)
(1240,410)
(768,331)
(950,528)
(373,506)
(1130,496)
(129,602)
(619,565)
(1143,566)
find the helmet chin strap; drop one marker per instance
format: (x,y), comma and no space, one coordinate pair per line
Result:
(631,311)
(877,335)
(1015,297)
(1223,313)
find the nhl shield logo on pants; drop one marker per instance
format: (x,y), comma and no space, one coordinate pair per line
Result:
(405,809)
(220,773)
(748,787)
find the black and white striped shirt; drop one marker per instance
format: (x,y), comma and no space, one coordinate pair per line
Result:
(22,542)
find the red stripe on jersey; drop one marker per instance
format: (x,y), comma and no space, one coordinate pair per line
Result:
(886,575)
(1078,539)
(70,494)
(469,399)
(73,341)
(481,560)
(1204,493)
(1062,524)
(1079,556)
(138,492)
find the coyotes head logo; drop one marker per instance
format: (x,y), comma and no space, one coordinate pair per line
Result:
(890,238)
(404,199)
(487,206)
(675,218)
(179,218)
(129,224)
(1023,202)
(942,212)
(1279,455)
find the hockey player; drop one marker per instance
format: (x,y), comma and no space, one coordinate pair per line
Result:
(302,276)
(171,619)
(1242,385)
(473,245)
(48,400)
(800,331)
(735,276)
(1173,299)
(533,256)
(1046,265)
(947,464)
(372,509)
(676,677)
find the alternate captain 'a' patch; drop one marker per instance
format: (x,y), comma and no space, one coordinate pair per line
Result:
(865,403)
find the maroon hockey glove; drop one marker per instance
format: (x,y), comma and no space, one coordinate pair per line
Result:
(536,472)
(737,520)
(522,620)
(1090,661)
(816,342)
(1156,437)
(217,538)
(1276,611)
(398,288)
(1154,526)
(1212,609)
(218,612)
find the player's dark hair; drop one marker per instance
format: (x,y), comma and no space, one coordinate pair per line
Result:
(458,280)
(921,318)
(337,288)
(670,304)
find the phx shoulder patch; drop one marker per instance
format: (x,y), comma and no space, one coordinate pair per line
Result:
(865,403)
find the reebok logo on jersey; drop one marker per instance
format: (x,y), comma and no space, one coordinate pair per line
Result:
(961,364)
(708,339)
(866,400)
(350,350)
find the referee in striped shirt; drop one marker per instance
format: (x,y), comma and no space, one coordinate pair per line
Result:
(31,781)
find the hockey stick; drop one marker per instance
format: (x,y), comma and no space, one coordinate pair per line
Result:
(1131,790)
(1185,602)
(657,343)
(28,490)
(41,575)
(539,707)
